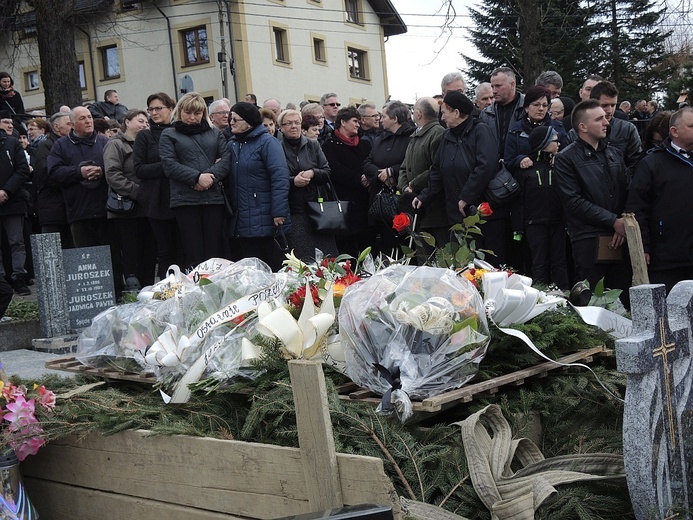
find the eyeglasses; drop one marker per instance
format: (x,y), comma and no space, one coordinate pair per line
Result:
(236,119)
(155,109)
(222,113)
(556,112)
(291,123)
(332,105)
(377,116)
(536,104)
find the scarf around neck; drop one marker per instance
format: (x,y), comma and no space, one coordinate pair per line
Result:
(349,141)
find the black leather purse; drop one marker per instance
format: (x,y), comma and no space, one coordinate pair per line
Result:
(119,204)
(329,216)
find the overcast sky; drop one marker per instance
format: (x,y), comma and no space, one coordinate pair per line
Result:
(418,60)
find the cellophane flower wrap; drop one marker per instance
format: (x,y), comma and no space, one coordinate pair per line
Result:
(412,333)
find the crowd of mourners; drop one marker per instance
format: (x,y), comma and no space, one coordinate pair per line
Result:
(181,182)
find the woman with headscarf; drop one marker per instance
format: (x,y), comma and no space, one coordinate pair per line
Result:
(259,188)
(195,159)
(155,188)
(345,153)
(309,172)
(135,236)
(466,161)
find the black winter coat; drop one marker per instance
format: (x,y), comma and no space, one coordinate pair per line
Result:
(49,200)
(309,156)
(346,166)
(660,197)
(84,199)
(540,202)
(155,188)
(387,152)
(14,173)
(593,186)
(517,145)
(463,167)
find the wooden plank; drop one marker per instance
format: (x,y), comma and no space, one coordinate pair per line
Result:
(55,501)
(71,364)
(315,436)
(636,250)
(250,480)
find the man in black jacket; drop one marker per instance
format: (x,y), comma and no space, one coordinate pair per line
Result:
(660,197)
(593,185)
(506,108)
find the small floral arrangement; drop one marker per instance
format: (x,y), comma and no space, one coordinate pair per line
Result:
(23,432)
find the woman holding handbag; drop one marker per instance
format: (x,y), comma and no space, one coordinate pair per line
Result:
(195,157)
(309,174)
(135,239)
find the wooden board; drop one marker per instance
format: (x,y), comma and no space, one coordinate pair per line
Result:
(248,480)
(71,364)
(354,393)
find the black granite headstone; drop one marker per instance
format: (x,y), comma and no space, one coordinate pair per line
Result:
(89,283)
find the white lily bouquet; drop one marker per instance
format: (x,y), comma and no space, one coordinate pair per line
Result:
(412,333)
(185,327)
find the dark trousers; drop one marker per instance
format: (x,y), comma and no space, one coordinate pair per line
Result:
(671,277)
(264,248)
(495,238)
(169,249)
(200,231)
(547,244)
(617,275)
(6,293)
(137,248)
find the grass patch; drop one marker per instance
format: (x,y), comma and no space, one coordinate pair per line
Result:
(22,310)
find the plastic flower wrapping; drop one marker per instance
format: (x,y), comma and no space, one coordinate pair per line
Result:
(411,333)
(185,327)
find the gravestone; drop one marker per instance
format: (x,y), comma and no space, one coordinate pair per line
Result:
(658,414)
(89,283)
(50,284)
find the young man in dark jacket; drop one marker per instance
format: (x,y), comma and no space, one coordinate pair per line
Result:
(14,173)
(593,185)
(660,197)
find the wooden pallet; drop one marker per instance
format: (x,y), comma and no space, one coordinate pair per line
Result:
(353,392)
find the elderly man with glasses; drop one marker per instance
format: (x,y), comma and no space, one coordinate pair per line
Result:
(370,122)
(219,112)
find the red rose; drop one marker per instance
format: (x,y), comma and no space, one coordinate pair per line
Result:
(401,222)
(485,209)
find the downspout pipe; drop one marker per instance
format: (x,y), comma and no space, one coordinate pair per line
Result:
(232,62)
(91,60)
(170,48)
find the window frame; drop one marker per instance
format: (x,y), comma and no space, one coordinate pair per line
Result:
(319,39)
(280,58)
(27,87)
(353,14)
(364,66)
(198,46)
(104,61)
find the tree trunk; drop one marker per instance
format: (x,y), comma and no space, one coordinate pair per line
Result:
(617,74)
(530,40)
(55,29)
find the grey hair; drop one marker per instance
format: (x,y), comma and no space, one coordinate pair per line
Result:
(504,70)
(450,77)
(327,96)
(549,77)
(362,108)
(398,111)
(57,116)
(216,104)
(485,84)
(676,117)
(428,107)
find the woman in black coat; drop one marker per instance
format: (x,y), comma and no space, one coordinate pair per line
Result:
(10,99)
(155,191)
(345,154)
(382,166)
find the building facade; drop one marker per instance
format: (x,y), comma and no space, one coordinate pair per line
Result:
(292,50)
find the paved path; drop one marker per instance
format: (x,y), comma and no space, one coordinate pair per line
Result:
(29,364)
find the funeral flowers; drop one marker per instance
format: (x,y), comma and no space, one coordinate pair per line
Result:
(22,430)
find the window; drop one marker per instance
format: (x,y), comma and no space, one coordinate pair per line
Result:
(281,45)
(196,45)
(352,11)
(110,62)
(319,53)
(82,76)
(358,63)
(31,80)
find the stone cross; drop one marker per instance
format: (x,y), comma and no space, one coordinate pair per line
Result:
(50,284)
(657,436)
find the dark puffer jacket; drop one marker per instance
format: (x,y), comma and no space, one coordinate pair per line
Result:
(14,173)
(155,188)
(50,202)
(259,186)
(593,186)
(185,156)
(84,199)
(660,196)
(517,145)
(465,164)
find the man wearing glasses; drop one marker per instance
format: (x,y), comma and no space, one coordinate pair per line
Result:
(219,112)
(330,104)
(370,122)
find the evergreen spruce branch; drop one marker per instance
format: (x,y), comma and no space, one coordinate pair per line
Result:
(452,491)
(416,466)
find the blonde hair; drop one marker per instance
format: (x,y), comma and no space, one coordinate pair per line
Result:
(289,112)
(191,102)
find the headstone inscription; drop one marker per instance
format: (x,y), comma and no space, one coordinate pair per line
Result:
(50,284)
(658,414)
(89,283)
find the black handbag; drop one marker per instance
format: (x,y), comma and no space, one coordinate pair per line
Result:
(119,204)
(385,206)
(503,188)
(329,216)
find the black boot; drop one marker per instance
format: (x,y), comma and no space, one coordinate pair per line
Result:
(20,287)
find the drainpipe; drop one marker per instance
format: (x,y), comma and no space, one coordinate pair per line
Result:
(221,56)
(91,61)
(170,48)
(232,63)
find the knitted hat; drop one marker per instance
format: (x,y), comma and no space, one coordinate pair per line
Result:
(5,114)
(248,112)
(459,101)
(536,92)
(540,138)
